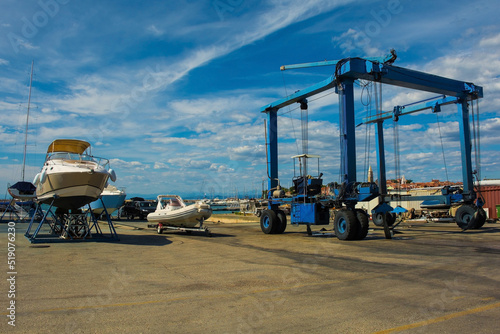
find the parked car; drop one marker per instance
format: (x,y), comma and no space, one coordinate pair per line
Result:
(137,207)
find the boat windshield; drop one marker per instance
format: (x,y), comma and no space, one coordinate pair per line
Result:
(171,202)
(70,156)
(148,204)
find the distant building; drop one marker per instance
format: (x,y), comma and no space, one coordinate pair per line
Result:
(370,175)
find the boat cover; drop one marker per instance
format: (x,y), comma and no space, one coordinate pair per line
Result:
(68,145)
(24,187)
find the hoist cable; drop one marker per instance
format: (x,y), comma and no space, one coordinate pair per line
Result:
(311,100)
(397,160)
(291,118)
(397,154)
(368,107)
(442,149)
(475,132)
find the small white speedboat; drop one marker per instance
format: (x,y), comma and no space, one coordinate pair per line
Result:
(172,211)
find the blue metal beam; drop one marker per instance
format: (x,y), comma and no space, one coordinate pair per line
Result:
(389,58)
(465,145)
(272,152)
(410,109)
(348,139)
(358,68)
(301,94)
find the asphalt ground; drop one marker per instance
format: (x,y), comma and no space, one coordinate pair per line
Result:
(430,278)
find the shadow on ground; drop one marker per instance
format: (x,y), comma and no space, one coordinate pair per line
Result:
(144,240)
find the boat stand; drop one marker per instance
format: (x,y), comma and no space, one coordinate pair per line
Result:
(160,228)
(62,227)
(19,214)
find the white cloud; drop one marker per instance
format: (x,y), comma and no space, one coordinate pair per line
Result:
(490,41)
(160,165)
(356,43)
(154,30)
(189,163)
(128,165)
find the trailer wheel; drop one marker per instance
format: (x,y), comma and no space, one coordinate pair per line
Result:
(362,218)
(346,225)
(378,219)
(465,217)
(281,227)
(268,222)
(387,226)
(159,229)
(479,218)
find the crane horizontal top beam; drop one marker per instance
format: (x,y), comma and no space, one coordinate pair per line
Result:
(301,95)
(358,68)
(390,58)
(385,59)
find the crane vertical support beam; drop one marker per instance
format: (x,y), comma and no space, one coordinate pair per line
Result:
(272,152)
(348,134)
(379,137)
(465,144)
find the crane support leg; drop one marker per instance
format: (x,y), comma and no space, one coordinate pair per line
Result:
(348,131)
(272,154)
(382,183)
(465,140)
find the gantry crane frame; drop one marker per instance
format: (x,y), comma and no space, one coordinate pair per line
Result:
(377,70)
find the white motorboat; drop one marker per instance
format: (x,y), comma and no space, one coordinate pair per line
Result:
(172,211)
(113,199)
(71,177)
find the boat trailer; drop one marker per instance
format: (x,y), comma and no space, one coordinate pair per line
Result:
(160,228)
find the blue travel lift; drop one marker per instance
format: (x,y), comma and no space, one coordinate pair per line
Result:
(351,223)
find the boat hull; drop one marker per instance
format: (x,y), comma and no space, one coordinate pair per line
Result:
(112,202)
(71,189)
(189,216)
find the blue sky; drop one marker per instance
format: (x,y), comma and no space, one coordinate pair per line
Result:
(170,92)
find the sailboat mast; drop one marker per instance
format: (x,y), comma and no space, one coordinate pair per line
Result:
(27,120)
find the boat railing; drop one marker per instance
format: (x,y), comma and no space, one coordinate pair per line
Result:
(75,158)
